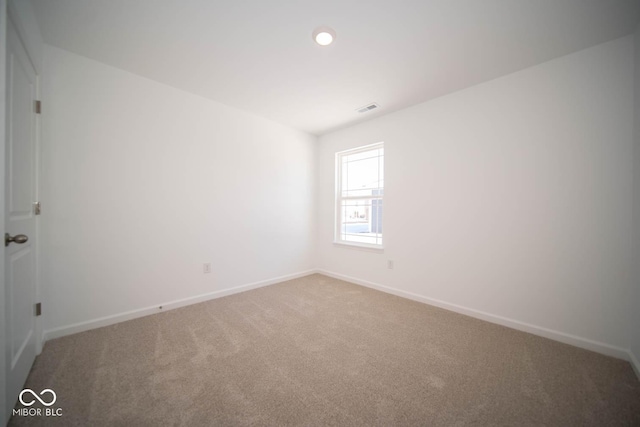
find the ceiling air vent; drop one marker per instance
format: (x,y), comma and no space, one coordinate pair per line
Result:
(368,108)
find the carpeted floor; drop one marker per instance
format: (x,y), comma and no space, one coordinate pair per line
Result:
(319,351)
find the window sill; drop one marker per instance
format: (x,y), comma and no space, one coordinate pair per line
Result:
(360,247)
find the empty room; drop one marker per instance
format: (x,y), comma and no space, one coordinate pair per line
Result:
(267,213)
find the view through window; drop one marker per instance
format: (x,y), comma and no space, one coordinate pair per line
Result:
(360,190)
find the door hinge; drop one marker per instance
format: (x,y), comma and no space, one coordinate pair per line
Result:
(38,309)
(38,107)
(37,208)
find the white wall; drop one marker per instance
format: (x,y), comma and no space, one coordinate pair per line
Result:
(143,183)
(27,26)
(511,198)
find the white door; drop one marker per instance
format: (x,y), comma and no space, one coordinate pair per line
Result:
(20,179)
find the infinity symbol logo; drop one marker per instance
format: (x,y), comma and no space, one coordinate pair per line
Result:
(46,390)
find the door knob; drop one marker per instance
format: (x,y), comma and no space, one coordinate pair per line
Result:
(18,238)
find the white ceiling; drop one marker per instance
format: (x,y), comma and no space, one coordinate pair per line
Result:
(258,55)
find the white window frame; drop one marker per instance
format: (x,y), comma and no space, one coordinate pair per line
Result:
(338,240)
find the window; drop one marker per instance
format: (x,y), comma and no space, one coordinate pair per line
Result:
(359,193)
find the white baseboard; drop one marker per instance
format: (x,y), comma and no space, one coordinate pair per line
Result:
(635,364)
(171,305)
(585,343)
(576,341)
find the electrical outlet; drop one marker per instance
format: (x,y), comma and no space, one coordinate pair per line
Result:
(390,264)
(206,268)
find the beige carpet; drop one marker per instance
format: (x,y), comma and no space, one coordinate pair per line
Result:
(319,351)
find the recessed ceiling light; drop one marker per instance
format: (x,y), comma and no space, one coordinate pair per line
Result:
(324,36)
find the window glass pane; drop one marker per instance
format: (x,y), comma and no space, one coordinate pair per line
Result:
(362,155)
(361,183)
(363,174)
(376,216)
(359,193)
(361,221)
(357,211)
